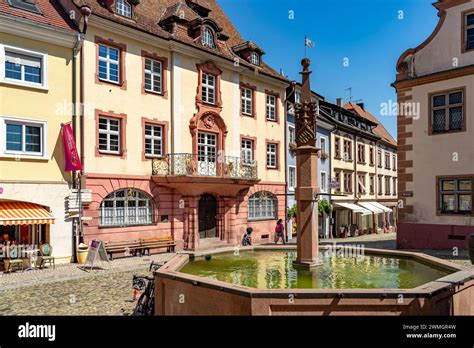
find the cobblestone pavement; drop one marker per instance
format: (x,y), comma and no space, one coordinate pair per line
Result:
(68,290)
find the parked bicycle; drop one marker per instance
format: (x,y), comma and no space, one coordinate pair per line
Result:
(146,302)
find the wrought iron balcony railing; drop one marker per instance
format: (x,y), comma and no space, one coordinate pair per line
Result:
(187,164)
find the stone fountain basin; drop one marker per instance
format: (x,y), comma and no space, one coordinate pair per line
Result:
(178,293)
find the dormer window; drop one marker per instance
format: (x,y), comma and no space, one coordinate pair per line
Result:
(255,58)
(207,38)
(123,8)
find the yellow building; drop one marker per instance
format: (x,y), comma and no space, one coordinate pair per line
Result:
(183,125)
(36,74)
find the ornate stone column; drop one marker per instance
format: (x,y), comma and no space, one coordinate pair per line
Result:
(307,164)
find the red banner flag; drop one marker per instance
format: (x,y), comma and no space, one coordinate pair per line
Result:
(72,161)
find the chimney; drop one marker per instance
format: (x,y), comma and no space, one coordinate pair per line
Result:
(339,102)
(361,105)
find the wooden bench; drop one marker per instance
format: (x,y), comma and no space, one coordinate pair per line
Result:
(157,242)
(125,246)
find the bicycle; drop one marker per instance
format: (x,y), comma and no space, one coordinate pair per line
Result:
(146,303)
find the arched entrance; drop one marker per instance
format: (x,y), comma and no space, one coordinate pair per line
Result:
(207,216)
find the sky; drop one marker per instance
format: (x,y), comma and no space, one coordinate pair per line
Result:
(357,42)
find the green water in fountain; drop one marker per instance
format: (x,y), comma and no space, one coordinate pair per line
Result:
(274,270)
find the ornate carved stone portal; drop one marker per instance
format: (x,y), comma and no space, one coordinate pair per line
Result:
(306,180)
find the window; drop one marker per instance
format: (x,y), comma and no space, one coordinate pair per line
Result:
(153,76)
(247,101)
(348,182)
(208,88)
(109,135)
(387,160)
(297,97)
(291,134)
(323,182)
(23,67)
(291,178)
(455,195)
(371,156)
(271,108)
(337,147)
(469,31)
(347,150)
(126,208)
(262,206)
(22,138)
(153,140)
(247,151)
(371,184)
(387,185)
(379,158)
(361,184)
(338,180)
(255,58)
(361,153)
(394,186)
(380,185)
(447,112)
(322,144)
(272,159)
(394,167)
(109,64)
(207,38)
(123,8)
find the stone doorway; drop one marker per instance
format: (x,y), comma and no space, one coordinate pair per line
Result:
(207,216)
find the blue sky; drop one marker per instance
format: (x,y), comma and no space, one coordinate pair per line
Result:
(367,32)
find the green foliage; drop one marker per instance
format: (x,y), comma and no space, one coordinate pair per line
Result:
(292,211)
(325,207)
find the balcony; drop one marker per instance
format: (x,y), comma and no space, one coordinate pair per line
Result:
(226,174)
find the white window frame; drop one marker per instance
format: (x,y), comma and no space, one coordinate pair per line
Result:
(247,101)
(153,138)
(123,8)
(128,220)
(36,54)
(247,152)
(209,88)
(262,205)
(323,184)
(109,132)
(42,155)
(291,134)
(152,75)
(207,38)
(325,138)
(109,61)
(272,153)
(271,107)
(291,186)
(255,58)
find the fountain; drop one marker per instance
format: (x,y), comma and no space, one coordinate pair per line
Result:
(310,279)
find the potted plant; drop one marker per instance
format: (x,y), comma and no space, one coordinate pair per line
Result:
(292,146)
(324,156)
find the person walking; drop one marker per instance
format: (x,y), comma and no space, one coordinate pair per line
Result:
(280,232)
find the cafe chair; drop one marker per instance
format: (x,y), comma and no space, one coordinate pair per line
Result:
(14,261)
(46,250)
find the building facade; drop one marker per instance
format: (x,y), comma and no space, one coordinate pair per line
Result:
(435,85)
(183,125)
(36,97)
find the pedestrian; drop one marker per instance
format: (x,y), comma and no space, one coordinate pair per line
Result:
(247,239)
(279,232)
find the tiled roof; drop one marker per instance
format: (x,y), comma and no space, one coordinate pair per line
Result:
(51,14)
(149,13)
(379,130)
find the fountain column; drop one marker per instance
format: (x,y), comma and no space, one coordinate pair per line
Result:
(306,180)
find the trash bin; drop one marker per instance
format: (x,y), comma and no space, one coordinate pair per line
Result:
(81,253)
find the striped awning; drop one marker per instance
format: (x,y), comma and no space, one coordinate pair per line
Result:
(23,213)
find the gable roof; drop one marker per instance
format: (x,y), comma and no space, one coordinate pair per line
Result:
(380,130)
(148,15)
(51,14)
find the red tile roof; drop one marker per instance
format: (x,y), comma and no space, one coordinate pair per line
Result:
(52,14)
(149,13)
(380,130)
